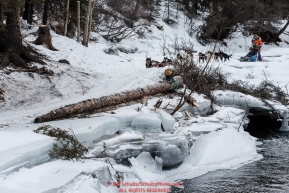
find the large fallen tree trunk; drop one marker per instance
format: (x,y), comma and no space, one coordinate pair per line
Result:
(93,104)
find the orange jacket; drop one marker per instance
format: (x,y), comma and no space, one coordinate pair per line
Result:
(257,42)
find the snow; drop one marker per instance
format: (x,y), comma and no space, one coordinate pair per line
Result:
(216,144)
(47,176)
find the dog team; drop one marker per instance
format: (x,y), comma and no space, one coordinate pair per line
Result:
(213,56)
(188,57)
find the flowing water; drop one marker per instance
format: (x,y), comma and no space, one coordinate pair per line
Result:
(270,174)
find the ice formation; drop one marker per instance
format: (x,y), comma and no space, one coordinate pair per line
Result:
(171,148)
(219,146)
(147,161)
(146,167)
(168,120)
(148,122)
(234,99)
(125,119)
(27,147)
(32,148)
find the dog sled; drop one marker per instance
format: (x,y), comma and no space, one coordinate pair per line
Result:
(250,57)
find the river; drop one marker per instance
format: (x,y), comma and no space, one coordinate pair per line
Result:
(270,174)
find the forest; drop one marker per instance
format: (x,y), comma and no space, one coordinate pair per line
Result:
(101,92)
(117,20)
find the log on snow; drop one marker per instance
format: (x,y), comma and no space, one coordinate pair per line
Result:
(97,103)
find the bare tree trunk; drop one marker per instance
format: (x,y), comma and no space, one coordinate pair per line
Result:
(66,18)
(168,10)
(78,21)
(187,4)
(283,29)
(90,22)
(195,7)
(11,41)
(94,104)
(45,13)
(28,11)
(1,13)
(135,11)
(86,23)
(44,37)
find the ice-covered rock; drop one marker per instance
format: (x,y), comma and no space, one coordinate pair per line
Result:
(171,148)
(147,123)
(167,120)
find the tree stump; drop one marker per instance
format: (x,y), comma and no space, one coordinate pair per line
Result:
(44,37)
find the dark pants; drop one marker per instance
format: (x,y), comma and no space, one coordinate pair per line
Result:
(252,53)
(259,54)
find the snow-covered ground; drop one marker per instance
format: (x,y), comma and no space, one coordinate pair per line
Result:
(216,143)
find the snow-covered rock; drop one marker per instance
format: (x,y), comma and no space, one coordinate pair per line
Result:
(111,51)
(127,49)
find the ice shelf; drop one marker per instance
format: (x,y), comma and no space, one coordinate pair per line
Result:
(28,146)
(171,148)
(148,122)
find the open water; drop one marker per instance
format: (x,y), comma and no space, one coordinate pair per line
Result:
(270,174)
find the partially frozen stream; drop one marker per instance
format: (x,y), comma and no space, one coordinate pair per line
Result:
(270,174)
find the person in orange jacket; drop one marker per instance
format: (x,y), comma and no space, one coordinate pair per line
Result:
(257,42)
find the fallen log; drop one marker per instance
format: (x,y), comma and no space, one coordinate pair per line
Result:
(97,103)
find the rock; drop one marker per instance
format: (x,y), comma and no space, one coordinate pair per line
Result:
(111,51)
(64,61)
(127,49)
